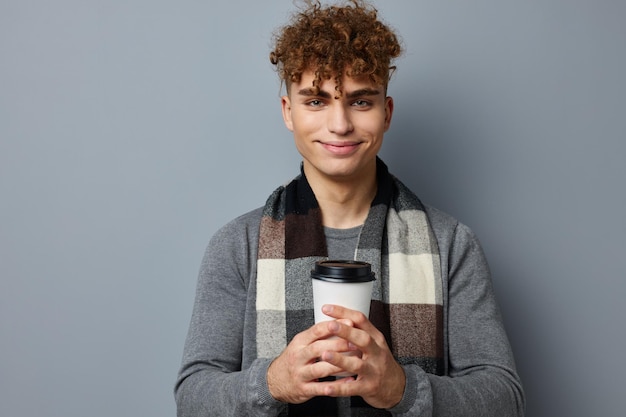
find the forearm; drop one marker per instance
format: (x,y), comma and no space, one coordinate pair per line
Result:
(219,374)
(485,392)
(208,392)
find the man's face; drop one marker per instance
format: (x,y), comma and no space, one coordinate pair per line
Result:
(338,138)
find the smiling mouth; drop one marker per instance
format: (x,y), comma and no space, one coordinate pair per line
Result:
(341,148)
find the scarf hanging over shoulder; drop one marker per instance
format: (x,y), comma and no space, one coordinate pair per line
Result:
(396,239)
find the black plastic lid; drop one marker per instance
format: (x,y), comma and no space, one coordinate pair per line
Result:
(343,271)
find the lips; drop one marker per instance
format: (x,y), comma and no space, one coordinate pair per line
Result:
(341,148)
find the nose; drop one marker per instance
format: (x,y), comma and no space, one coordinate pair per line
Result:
(339,121)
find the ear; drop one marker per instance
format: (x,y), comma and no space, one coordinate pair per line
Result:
(285,103)
(388,112)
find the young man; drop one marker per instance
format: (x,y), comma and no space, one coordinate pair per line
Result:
(434,344)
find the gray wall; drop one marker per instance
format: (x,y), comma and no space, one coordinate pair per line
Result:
(131,130)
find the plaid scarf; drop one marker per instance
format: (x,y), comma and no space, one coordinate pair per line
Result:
(396,239)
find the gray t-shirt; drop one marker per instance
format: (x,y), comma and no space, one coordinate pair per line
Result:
(342,243)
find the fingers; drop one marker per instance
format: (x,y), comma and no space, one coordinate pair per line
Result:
(340,313)
(351,344)
(319,331)
(348,362)
(337,347)
(379,379)
(293,376)
(359,321)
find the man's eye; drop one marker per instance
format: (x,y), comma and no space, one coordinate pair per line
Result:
(315,103)
(361,103)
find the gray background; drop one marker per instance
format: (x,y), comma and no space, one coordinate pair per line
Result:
(131,130)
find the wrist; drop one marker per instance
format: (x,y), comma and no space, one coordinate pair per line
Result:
(396,392)
(272,386)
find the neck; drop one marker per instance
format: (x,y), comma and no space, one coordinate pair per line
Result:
(344,204)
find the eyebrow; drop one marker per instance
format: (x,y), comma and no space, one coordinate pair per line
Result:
(363,92)
(309,92)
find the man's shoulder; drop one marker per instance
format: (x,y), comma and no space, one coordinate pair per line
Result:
(240,227)
(448,230)
(440,220)
(246,222)
(250,217)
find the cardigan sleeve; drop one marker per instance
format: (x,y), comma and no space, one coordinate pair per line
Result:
(211,381)
(481,379)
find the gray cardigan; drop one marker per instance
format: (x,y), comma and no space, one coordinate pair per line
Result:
(220,375)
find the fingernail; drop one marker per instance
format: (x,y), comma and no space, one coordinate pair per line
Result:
(326,308)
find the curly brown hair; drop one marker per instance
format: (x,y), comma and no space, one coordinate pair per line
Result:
(333,41)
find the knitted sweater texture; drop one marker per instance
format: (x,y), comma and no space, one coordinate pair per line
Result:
(221,375)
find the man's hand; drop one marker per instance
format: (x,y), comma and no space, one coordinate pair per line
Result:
(380,380)
(293,376)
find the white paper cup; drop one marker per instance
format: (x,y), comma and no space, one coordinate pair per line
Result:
(344,283)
